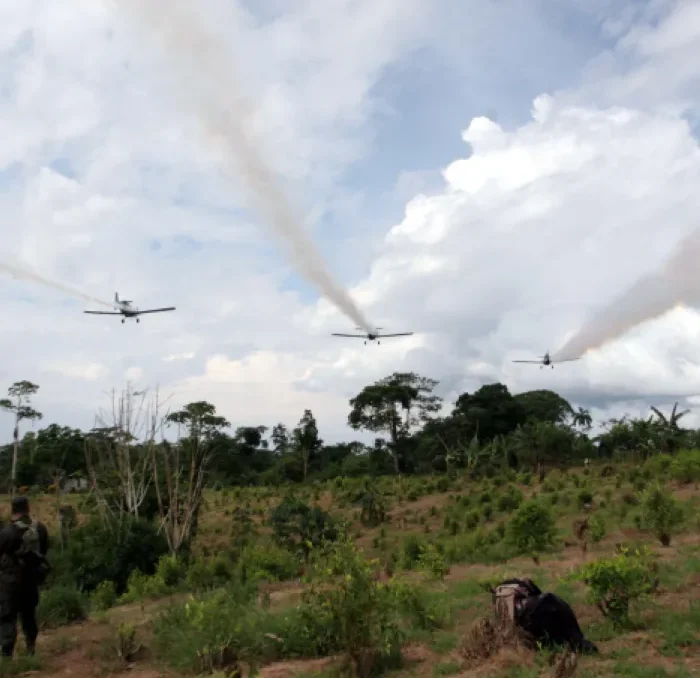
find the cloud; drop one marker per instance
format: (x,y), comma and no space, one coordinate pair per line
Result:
(503,251)
(76,370)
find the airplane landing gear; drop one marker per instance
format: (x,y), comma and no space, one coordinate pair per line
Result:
(365,343)
(123,321)
(378,342)
(138,320)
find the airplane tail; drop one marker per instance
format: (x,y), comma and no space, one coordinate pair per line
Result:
(116,297)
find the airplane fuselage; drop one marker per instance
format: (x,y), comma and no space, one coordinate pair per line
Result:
(127,310)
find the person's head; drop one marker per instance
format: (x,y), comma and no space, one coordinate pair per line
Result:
(20,507)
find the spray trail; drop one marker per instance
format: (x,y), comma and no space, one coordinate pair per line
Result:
(24,274)
(210,89)
(676,282)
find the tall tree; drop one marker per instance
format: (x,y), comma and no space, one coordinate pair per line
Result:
(119,452)
(582,417)
(489,412)
(19,404)
(671,436)
(306,440)
(545,406)
(184,467)
(281,439)
(394,405)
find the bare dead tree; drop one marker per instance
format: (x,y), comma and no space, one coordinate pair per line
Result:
(179,471)
(119,452)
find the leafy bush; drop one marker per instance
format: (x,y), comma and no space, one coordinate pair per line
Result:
(60,605)
(268,562)
(585,496)
(432,562)
(299,527)
(685,468)
(596,528)
(205,574)
(510,499)
(361,614)
(411,549)
(171,571)
(531,530)
(103,597)
(97,553)
(614,584)
(373,506)
(661,513)
(218,631)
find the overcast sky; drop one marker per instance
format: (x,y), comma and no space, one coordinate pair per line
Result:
(486,173)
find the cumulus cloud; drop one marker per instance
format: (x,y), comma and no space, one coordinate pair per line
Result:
(537,221)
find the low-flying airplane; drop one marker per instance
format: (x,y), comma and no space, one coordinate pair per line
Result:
(371,336)
(124,307)
(545,360)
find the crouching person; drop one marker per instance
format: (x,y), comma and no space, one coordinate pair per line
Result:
(544,617)
(23,569)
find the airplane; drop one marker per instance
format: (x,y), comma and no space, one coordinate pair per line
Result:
(372,336)
(545,360)
(124,307)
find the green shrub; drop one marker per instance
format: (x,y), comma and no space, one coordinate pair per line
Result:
(585,496)
(510,499)
(432,562)
(97,553)
(268,562)
(219,631)
(60,605)
(103,597)
(171,571)
(596,528)
(532,529)
(661,513)
(615,584)
(685,468)
(205,574)
(360,612)
(299,527)
(411,549)
(472,519)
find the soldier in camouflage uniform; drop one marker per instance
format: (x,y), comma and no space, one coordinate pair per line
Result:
(23,568)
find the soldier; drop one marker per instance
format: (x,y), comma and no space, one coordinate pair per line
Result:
(23,568)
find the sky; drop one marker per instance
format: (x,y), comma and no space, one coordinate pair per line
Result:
(487,174)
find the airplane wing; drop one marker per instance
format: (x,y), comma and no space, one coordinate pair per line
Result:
(154,310)
(398,334)
(359,336)
(103,312)
(566,360)
(532,362)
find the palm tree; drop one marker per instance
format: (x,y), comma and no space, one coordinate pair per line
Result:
(582,417)
(671,435)
(673,420)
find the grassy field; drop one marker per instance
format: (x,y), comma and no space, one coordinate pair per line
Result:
(440,541)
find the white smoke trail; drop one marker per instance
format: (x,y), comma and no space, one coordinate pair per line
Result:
(209,87)
(676,282)
(24,274)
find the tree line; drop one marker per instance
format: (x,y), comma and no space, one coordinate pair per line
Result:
(488,428)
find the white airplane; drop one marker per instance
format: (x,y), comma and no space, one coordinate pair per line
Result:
(546,361)
(124,307)
(371,336)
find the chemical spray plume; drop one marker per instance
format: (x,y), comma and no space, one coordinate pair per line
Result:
(677,282)
(24,274)
(210,89)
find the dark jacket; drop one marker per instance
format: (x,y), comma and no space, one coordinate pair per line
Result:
(11,573)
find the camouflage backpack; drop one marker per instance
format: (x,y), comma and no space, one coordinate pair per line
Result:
(29,554)
(510,597)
